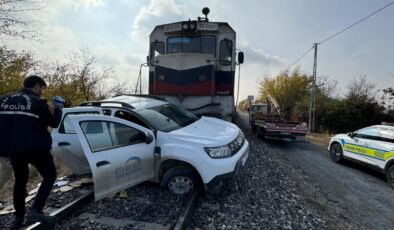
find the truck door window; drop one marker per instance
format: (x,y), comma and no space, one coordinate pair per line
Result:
(226,52)
(130,117)
(104,135)
(155,49)
(66,126)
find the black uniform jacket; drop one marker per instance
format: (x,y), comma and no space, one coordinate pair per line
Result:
(24,121)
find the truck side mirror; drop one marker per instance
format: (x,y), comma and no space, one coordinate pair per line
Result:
(241,57)
(149,138)
(351,134)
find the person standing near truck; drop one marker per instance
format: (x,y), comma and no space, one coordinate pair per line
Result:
(24,138)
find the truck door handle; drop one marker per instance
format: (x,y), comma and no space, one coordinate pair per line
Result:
(102,163)
(64,144)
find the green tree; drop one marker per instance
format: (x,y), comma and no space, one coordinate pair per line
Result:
(289,89)
(13,69)
(79,79)
(325,95)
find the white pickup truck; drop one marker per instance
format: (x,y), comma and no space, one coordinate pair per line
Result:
(128,139)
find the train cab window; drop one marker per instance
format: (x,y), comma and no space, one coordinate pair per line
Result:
(226,52)
(192,44)
(156,48)
(130,117)
(208,45)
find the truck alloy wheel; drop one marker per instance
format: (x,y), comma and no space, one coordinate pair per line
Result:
(336,154)
(180,185)
(390,176)
(180,180)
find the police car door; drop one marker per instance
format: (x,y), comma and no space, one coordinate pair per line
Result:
(120,155)
(380,146)
(362,145)
(65,143)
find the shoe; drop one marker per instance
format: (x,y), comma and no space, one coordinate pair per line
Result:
(39,216)
(17,224)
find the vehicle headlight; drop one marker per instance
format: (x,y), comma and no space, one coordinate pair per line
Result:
(218,152)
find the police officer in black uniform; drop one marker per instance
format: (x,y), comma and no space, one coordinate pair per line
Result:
(24,138)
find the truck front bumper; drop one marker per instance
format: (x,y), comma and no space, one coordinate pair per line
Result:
(218,181)
(288,134)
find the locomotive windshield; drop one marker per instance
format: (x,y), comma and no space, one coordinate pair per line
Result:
(195,44)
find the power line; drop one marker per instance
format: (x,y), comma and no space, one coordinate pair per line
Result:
(301,57)
(339,32)
(359,21)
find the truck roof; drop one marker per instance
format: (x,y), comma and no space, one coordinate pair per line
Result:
(138,102)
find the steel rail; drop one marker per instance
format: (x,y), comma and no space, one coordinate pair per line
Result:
(64,211)
(76,204)
(186,215)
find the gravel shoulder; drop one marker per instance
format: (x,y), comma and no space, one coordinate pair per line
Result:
(262,196)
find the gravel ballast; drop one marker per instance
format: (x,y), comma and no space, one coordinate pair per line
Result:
(261,196)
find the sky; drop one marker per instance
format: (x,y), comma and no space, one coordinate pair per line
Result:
(273,34)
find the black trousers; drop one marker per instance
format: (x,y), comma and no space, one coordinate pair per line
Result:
(43,162)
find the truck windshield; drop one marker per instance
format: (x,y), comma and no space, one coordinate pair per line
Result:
(167,117)
(195,44)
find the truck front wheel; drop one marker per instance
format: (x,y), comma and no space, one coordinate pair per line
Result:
(180,180)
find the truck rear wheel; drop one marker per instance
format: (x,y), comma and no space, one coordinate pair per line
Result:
(336,153)
(390,176)
(260,132)
(253,128)
(180,180)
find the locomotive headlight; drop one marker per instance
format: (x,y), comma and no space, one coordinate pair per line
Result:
(161,77)
(202,78)
(192,26)
(218,152)
(185,26)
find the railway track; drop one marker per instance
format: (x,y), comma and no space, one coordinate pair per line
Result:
(144,206)
(64,213)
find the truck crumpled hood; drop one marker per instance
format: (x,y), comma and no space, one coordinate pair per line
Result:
(208,131)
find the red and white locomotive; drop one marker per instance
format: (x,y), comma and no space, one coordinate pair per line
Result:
(193,63)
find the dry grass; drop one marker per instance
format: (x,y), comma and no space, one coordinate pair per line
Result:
(320,139)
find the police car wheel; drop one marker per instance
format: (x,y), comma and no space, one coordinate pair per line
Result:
(336,154)
(390,176)
(180,180)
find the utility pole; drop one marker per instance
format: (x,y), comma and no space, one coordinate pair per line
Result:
(311,125)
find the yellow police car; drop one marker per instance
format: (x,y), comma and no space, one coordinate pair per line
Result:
(373,146)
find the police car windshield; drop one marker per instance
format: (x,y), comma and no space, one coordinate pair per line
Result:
(167,117)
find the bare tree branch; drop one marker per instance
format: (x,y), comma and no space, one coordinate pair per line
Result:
(17,18)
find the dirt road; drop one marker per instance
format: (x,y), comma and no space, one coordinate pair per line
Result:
(345,192)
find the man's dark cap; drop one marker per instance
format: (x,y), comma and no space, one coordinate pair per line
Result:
(32,80)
